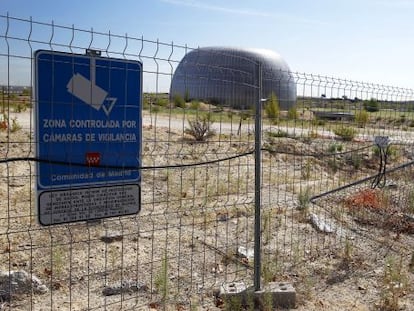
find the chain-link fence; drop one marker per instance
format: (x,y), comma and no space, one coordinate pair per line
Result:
(333,184)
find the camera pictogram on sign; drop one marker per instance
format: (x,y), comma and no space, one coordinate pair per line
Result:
(90,93)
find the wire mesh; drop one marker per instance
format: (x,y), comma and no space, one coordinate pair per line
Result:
(321,206)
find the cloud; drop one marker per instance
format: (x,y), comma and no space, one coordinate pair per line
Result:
(238,11)
(204,6)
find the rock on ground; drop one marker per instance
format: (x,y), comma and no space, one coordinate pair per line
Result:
(18,283)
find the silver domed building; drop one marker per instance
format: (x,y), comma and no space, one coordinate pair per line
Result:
(230,77)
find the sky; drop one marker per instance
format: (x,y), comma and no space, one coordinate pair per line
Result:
(362,40)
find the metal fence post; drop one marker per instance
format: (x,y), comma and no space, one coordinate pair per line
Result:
(257,182)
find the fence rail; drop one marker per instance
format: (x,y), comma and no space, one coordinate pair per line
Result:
(332,201)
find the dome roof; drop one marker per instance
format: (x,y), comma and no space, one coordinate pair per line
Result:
(230,77)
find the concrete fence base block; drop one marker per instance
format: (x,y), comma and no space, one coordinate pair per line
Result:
(279,294)
(273,294)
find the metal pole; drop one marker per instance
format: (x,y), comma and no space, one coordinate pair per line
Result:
(257,182)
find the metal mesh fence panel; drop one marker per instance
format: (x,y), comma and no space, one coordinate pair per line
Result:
(336,192)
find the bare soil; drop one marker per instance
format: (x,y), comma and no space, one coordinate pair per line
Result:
(183,244)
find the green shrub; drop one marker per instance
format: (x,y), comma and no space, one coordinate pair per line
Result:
(371,105)
(200,127)
(361,118)
(178,101)
(20,107)
(4,122)
(146,103)
(333,165)
(26,92)
(15,126)
(333,148)
(293,113)
(272,108)
(401,120)
(318,122)
(354,159)
(392,151)
(304,198)
(307,170)
(313,134)
(155,109)
(346,133)
(195,104)
(162,102)
(245,114)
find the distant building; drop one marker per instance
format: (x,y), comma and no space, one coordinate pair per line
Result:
(14,89)
(230,77)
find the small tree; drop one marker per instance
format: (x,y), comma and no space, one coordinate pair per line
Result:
(272,108)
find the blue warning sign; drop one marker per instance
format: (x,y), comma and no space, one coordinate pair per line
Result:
(88,116)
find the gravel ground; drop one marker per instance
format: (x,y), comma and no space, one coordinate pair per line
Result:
(183,244)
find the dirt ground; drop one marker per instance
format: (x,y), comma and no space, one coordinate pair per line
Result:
(184,243)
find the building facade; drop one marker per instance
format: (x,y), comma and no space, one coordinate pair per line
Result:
(234,77)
